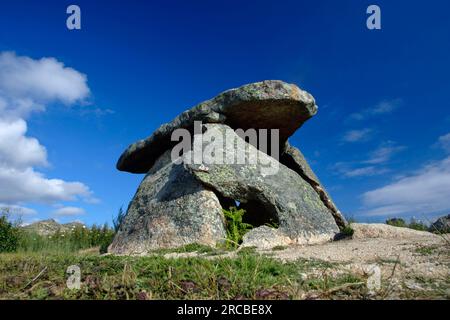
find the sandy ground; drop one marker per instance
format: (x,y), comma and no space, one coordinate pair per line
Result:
(407,259)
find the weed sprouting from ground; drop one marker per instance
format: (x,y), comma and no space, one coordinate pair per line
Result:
(235,227)
(347,231)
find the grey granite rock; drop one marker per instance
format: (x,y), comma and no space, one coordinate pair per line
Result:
(170,209)
(283,195)
(441,225)
(265,237)
(294,159)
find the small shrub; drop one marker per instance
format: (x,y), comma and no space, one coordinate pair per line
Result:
(345,233)
(104,247)
(413,224)
(396,222)
(417,225)
(235,227)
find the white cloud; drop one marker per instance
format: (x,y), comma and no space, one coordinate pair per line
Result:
(26,86)
(424,192)
(383,107)
(357,135)
(384,153)
(444,142)
(69,211)
(16,149)
(27,185)
(353,170)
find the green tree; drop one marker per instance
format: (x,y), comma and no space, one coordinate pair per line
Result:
(9,233)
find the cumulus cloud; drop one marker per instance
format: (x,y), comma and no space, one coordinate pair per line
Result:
(68,211)
(28,85)
(424,192)
(16,149)
(357,135)
(27,185)
(383,107)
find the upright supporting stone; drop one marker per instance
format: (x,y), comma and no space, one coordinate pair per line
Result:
(267,105)
(170,209)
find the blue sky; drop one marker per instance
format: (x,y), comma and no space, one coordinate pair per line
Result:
(380,142)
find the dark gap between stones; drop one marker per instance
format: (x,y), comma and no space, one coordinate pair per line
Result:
(256,212)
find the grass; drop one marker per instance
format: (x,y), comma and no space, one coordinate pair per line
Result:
(192,247)
(71,241)
(426,250)
(247,276)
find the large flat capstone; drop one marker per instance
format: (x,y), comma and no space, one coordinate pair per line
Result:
(263,105)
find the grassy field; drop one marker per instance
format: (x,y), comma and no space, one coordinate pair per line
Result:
(245,276)
(174,274)
(34,266)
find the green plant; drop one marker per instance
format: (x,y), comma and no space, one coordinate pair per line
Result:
(9,233)
(396,222)
(347,231)
(417,225)
(413,224)
(235,227)
(426,250)
(104,247)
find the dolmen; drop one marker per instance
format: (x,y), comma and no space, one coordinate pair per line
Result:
(232,150)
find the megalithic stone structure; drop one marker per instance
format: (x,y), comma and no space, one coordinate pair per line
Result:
(180,202)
